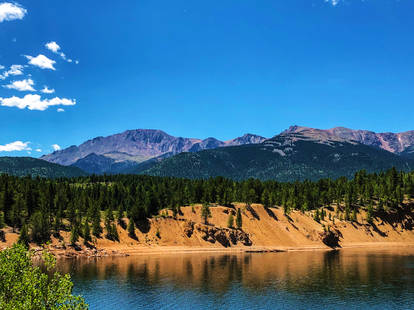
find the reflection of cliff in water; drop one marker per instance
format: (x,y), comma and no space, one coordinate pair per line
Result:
(297,272)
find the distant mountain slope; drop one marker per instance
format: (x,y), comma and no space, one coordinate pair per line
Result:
(113,153)
(23,166)
(99,164)
(392,142)
(287,157)
(408,153)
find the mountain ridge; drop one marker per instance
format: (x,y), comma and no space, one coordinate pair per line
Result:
(285,157)
(139,150)
(141,145)
(389,141)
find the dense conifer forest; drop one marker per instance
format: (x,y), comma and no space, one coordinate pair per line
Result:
(39,207)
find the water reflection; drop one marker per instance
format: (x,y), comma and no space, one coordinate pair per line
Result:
(374,278)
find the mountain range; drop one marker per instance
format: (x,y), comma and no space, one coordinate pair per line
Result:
(285,157)
(296,153)
(117,153)
(398,143)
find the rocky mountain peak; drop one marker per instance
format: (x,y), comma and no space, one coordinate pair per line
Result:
(392,142)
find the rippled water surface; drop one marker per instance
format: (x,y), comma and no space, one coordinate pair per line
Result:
(346,279)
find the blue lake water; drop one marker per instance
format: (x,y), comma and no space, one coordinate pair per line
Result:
(345,279)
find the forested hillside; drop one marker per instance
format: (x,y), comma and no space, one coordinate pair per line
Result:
(284,158)
(23,166)
(38,208)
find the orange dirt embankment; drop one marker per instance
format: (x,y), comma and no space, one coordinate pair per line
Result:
(262,230)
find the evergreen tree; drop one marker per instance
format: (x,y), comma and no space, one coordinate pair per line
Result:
(205,212)
(96,223)
(40,231)
(74,234)
(131,229)
(86,233)
(230,220)
(354,215)
(239,222)
(2,224)
(370,212)
(316,216)
(24,235)
(114,233)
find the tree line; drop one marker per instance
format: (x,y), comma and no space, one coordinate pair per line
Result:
(38,207)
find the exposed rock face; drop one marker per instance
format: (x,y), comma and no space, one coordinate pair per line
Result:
(189,229)
(331,238)
(246,139)
(225,236)
(140,145)
(392,142)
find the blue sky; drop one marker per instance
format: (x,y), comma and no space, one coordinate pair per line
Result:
(202,68)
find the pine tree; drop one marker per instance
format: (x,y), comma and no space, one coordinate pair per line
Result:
(239,221)
(354,215)
(266,198)
(370,212)
(40,232)
(114,232)
(230,220)
(131,229)
(109,217)
(205,213)
(24,235)
(74,234)
(2,224)
(86,233)
(316,216)
(14,214)
(57,223)
(96,222)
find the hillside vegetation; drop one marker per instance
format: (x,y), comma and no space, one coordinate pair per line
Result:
(24,166)
(283,158)
(98,210)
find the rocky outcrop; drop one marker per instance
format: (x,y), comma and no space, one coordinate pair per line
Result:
(225,236)
(189,229)
(331,238)
(393,142)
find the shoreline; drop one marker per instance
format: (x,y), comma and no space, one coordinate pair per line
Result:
(179,250)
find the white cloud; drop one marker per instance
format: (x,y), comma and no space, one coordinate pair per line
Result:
(2,67)
(53,46)
(11,11)
(61,110)
(38,150)
(46,90)
(23,85)
(14,70)
(15,146)
(333,2)
(41,61)
(77,62)
(35,102)
(56,147)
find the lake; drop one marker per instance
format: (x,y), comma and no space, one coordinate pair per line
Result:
(344,279)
